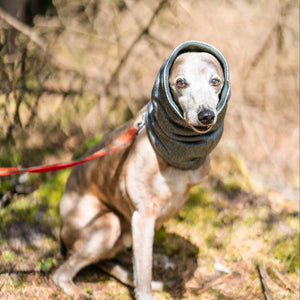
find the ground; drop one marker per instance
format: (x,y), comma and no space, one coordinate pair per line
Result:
(97,72)
(212,249)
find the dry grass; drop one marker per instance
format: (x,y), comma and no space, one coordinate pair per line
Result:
(245,214)
(223,222)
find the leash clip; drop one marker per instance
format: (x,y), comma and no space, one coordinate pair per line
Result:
(141,124)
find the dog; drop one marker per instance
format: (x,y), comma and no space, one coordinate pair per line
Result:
(119,200)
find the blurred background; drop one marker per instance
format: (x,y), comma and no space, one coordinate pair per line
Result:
(73,70)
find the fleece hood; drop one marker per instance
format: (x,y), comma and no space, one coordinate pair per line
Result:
(170,135)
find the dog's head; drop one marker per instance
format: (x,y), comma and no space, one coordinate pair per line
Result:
(196,80)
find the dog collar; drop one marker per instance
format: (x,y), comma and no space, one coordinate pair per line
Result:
(170,135)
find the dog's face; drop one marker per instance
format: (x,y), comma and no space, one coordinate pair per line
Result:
(196,80)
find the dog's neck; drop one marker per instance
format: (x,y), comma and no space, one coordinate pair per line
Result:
(177,143)
(170,135)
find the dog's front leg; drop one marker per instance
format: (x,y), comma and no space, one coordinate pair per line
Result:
(142,234)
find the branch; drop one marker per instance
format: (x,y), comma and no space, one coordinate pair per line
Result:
(260,53)
(263,281)
(43,90)
(211,284)
(284,281)
(276,30)
(7,275)
(33,110)
(159,41)
(144,31)
(26,30)
(25,272)
(39,41)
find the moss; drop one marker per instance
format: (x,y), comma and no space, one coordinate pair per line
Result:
(124,296)
(199,207)
(225,218)
(105,279)
(75,109)
(89,290)
(199,196)
(286,250)
(219,296)
(230,173)
(164,294)
(170,244)
(10,157)
(230,187)
(5,186)
(7,257)
(164,243)
(160,235)
(20,283)
(22,210)
(248,218)
(212,241)
(51,192)
(117,295)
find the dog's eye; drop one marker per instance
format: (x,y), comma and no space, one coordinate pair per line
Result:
(181,83)
(215,82)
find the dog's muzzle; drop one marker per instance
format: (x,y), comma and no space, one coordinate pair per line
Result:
(206,117)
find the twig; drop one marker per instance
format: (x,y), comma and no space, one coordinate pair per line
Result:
(265,147)
(276,30)
(7,275)
(26,30)
(38,40)
(33,110)
(290,262)
(263,281)
(160,41)
(144,31)
(211,284)
(25,272)
(282,279)
(260,53)
(43,90)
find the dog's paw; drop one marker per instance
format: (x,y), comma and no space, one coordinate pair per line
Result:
(69,287)
(143,296)
(157,285)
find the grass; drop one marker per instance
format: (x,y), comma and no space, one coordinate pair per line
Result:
(224,221)
(228,219)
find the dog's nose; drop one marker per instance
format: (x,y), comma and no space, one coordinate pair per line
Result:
(206,116)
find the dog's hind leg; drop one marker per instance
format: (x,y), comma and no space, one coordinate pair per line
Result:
(63,277)
(97,240)
(124,276)
(117,271)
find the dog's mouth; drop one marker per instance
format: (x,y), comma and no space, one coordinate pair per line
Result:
(201,129)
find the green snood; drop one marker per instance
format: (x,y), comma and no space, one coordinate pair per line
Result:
(170,135)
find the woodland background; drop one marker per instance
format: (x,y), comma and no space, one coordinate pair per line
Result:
(71,71)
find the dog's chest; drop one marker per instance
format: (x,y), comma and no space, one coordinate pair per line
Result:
(169,193)
(153,189)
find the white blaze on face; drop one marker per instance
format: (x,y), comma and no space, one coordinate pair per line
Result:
(196,80)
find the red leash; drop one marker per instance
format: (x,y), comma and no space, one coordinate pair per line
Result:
(119,143)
